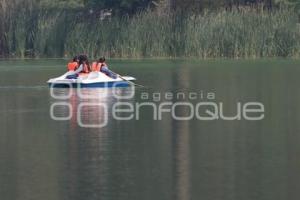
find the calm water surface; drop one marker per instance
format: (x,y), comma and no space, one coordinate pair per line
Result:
(45,159)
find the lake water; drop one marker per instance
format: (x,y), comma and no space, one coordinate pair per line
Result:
(45,159)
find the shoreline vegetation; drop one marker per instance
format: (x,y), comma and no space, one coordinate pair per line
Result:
(242,32)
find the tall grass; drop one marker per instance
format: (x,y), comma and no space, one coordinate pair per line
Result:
(27,30)
(240,33)
(243,33)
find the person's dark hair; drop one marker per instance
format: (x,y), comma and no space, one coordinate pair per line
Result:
(75,58)
(83,59)
(101,60)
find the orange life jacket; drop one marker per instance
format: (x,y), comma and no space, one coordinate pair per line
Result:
(72,66)
(97,66)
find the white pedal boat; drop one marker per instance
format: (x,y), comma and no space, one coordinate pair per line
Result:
(91,80)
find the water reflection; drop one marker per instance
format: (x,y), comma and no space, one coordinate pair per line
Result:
(181,144)
(87,108)
(88,153)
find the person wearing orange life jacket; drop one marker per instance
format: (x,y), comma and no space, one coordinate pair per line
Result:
(101,66)
(72,65)
(83,67)
(97,66)
(84,63)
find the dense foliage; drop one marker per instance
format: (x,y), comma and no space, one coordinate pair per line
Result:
(129,28)
(118,6)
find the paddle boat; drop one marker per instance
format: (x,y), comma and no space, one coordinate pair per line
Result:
(90,80)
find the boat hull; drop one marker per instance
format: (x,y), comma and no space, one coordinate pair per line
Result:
(92,80)
(90,85)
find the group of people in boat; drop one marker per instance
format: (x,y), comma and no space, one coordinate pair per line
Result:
(80,66)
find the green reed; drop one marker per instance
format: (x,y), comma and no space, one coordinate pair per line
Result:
(243,33)
(239,33)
